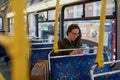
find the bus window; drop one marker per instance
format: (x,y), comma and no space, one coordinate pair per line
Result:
(32,25)
(73,11)
(46,31)
(1,24)
(90,30)
(94,8)
(42,16)
(10,26)
(51,15)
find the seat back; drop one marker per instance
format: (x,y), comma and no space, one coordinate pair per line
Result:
(39,52)
(74,67)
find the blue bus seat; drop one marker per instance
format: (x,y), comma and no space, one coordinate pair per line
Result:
(39,54)
(3,54)
(74,67)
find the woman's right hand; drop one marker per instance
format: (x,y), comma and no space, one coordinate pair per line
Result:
(75,52)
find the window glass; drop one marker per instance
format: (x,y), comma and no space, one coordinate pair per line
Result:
(1,24)
(94,8)
(110,8)
(90,30)
(51,15)
(11,26)
(46,32)
(73,11)
(32,25)
(42,16)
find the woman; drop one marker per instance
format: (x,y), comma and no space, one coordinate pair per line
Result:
(73,40)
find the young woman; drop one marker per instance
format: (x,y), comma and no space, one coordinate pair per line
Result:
(73,40)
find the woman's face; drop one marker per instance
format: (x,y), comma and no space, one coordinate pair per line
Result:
(73,34)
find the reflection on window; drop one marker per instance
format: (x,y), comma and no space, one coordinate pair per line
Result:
(11,26)
(94,8)
(74,11)
(90,30)
(110,7)
(1,24)
(46,31)
(51,15)
(42,16)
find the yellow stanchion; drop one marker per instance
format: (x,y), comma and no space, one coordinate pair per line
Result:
(18,46)
(100,58)
(20,54)
(55,47)
(1,77)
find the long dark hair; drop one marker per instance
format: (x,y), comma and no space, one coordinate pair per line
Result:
(78,39)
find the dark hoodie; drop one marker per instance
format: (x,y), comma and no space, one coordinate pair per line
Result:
(66,44)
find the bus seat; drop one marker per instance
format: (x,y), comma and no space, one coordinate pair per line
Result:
(2,51)
(40,54)
(74,67)
(3,54)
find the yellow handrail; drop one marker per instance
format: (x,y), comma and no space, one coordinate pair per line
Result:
(55,47)
(20,55)
(18,46)
(1,77)
(100,58)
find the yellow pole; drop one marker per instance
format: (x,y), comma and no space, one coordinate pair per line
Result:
(17,46)
(1,77)
(20,69)
(100,58)
(55,47)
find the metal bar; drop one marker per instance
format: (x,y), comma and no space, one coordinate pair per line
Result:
(92,71)
(71,55)
(112,62)
(49,59)
(40,43)
(101,74)
(42,48)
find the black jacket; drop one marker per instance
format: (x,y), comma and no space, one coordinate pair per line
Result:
(66,44)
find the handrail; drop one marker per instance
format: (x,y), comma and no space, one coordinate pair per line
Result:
(1,77)
(100,58)
(42,48)
(39,43)
(19,51)
(55,46)
(49,55)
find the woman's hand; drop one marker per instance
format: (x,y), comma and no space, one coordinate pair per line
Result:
(75,52)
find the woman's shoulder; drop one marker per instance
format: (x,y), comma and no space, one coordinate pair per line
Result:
(65,40)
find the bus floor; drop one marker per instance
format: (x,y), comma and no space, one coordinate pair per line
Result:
(5,70)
